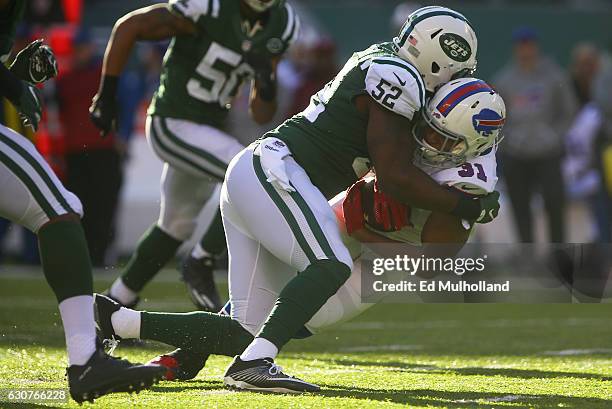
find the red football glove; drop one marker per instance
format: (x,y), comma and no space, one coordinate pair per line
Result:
(366,203)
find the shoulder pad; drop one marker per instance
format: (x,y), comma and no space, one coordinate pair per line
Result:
(396,85)
(194,9)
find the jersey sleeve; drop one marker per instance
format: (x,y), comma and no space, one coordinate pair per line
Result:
(195,10)
(396,85)
(291,29)
(475,177)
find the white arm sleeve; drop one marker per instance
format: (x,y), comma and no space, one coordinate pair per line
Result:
(396,85)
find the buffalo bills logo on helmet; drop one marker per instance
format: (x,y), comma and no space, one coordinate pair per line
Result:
(487,121)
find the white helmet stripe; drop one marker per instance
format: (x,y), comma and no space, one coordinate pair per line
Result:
(290,22)
(427,13)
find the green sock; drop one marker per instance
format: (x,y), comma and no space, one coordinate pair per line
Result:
(200,332)
(65,259)
(154,250)
(213,240)
(301,298)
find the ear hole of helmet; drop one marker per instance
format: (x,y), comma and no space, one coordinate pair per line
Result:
(435,68)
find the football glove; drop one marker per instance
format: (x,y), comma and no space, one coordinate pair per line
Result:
(29,106)
(366,203)
(479,209)
(104,110)
(36,63)
(265,78)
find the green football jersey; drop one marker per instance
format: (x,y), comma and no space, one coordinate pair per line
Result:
(328,139)
(9,19)
(203,72)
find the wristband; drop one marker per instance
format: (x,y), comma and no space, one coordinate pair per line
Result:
(108,87)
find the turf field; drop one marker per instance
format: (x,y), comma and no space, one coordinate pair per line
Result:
(420,356)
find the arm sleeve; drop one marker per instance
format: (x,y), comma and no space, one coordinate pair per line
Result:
(292,28)
(10,86)
(195,10)
(396,85)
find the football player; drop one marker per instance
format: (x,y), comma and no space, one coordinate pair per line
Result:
(216,46)
(33,197)
(457,147)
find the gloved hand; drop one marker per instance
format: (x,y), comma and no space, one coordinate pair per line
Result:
(29,106)
(265,78)
(36,63)
(479,209)
(104,109)
(366,203)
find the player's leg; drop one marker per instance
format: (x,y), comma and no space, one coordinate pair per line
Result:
(34,197)
(185,188)
(213,150)
(293,221)
(258,279)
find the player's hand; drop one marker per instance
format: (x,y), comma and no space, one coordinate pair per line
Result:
(29,106)
(104,110)
(366,203)
(265,77)
(480,209)
(36,63)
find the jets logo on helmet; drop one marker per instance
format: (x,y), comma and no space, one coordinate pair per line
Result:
(462,121)
(487,121)
(440,43)
(261,5)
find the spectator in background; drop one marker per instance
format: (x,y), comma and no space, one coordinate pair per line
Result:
(541,105)
(581,165)
(584,68)
(93,164)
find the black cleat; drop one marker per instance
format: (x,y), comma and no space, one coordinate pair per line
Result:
(104,374)
(104,307)
(263,375)
(181,365)
(198,277)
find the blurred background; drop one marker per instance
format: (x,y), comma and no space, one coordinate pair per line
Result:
(550,60)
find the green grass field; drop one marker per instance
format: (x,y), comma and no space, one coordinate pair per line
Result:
(420,356)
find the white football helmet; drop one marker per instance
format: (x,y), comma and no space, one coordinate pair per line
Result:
(462,121)
(440,43)
(261,5)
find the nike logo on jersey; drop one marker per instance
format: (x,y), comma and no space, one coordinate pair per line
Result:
(402,83)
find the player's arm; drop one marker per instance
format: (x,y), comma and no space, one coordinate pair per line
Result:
(153,23)
(262,101)
(22,95)
(395,96)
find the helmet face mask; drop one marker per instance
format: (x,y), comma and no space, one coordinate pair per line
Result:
(438,148)
(440,43)
(260,5)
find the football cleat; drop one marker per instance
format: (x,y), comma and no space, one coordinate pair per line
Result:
(198,277)
(263,375)
(104,374)
(104,308)
(180,364)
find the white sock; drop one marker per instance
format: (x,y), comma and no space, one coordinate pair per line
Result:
(126,323)
(259,348)
(199,253)
(122,293)
(79,328)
